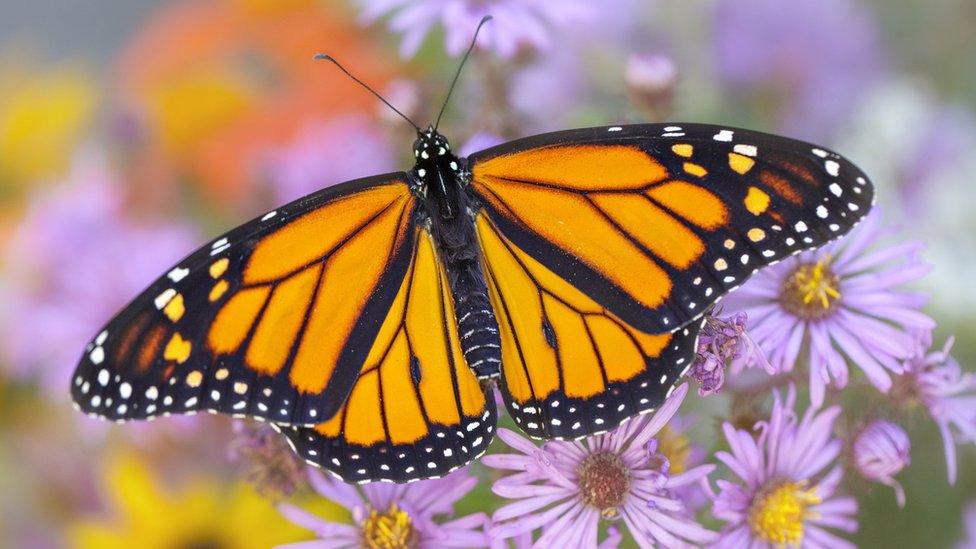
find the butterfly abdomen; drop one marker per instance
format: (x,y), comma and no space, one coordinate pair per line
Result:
(479,333)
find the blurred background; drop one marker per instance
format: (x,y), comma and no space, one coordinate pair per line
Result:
(131,132)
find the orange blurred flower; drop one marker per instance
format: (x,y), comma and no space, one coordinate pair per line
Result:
(214,84)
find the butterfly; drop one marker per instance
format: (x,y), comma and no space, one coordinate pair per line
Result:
(370,321)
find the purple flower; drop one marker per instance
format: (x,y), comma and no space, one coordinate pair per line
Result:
(517,23)
(881,451)
(818,56)
(566,487)
(327,152)
(651,81)
(723,341)
(479,142)
(840,302)
(782,496)
(393,515)
(936,381)
(76,257)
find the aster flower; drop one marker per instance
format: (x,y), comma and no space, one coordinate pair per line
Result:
(516,23)
(881,451)
(783,496)
(566,487)
(723,341)
(326,152)
(826,57)
(936,381)
(842,301)
(393,515)
(75,258)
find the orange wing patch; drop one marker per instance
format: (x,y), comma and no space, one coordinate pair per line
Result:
(612,207)
(555,339)
(578,167)
(296,307)
(414,379)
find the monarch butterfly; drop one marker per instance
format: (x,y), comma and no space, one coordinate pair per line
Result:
(369,321)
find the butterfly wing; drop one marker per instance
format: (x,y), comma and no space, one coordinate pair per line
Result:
(570,367)
(264,321)
(602,248)
(416,410)
(656,222)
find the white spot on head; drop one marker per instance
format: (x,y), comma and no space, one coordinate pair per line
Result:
(424,155)
(422,172)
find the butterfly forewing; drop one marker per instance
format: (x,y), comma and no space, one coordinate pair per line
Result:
(263,321)
(656,222)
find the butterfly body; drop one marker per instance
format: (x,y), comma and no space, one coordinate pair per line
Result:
(572,268)
(449,214)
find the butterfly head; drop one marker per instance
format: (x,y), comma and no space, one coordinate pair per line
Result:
(438,170)
(431,146)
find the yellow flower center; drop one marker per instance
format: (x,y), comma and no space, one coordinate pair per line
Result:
(676,447)
(811,291)
(604,481)
(390,530)
(779,510)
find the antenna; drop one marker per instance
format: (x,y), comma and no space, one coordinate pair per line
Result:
(329,58)
(474,40)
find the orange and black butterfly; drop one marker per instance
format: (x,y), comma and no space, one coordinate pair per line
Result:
(370,321)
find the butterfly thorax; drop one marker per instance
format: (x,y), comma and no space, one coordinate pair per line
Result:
(439,174)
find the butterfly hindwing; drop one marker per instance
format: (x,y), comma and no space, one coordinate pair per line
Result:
(656,222)
(263,321)
(571,368)
(416,410)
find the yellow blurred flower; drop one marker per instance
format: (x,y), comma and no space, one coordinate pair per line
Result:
(203,513)
(43,114)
